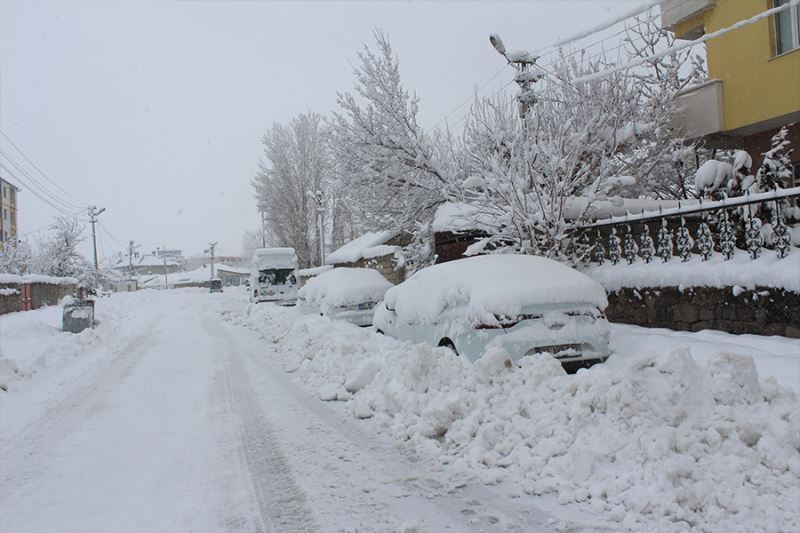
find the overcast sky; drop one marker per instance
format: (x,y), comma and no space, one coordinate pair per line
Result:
(155,111)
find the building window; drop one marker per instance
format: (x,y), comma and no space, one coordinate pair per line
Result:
(5,213)
(787,28)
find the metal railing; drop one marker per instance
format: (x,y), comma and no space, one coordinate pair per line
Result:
(704,228)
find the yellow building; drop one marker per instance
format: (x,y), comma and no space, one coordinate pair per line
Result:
(754,73)
(8,212)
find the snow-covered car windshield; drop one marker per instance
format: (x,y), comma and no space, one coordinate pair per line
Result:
(275,277)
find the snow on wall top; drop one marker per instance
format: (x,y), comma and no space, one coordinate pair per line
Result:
(371,244)
(491,285)
(766,271)
(345,286)
(36,278)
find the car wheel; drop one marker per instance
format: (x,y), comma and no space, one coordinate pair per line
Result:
(447,343)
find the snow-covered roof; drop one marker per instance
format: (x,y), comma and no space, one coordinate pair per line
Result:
(491,285)
(371,244)
(345,286)
(222,267)
(458,216)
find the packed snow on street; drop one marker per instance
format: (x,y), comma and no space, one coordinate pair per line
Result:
(189,411)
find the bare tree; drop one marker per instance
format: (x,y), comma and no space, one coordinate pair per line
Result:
(292,184)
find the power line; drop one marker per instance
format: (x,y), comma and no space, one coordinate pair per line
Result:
(678,47)
(59,208)
(33,182)
(471,97)
(40,171)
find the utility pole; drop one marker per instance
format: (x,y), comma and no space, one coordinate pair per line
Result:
(93,212)
(131,248)
(522,62)
(210,251)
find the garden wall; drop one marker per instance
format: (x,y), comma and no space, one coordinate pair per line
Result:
(760,311)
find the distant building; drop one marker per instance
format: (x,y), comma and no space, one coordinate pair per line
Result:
(146,264)
(8,212)
(754,74)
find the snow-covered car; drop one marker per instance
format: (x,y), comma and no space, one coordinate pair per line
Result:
(525,304)
(345,293)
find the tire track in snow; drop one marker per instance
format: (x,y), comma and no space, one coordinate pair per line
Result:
(281,503)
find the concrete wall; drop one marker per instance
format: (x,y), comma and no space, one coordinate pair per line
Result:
(763,311)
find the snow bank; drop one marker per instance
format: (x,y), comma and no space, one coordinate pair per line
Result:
(313,271)
(363,247)
(652,441)
(342,286)
(766,271)
(490,285)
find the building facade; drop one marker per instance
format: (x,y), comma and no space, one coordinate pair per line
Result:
(8,212)
(754,74)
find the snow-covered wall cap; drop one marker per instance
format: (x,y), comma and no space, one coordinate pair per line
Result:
(363,247)
(36,278)
(615,206)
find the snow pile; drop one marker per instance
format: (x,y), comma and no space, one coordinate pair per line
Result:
(371,244)
(766,271)
(490,285)
(651,441)
(342,286)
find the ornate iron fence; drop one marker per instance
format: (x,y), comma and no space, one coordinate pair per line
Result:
(703,228)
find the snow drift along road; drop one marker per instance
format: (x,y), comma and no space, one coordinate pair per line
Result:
(650,441)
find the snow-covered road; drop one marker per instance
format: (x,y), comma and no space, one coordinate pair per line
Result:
(168,418)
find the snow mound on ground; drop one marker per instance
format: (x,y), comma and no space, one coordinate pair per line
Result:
(653,441)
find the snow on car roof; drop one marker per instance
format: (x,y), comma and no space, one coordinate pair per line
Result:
(267,252)
(489,285)
(343,286)
(364,247)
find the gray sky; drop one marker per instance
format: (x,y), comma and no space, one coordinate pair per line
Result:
(156,110)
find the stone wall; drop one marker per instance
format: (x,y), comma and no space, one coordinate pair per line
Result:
(10,303)
(42,294)
(763,311)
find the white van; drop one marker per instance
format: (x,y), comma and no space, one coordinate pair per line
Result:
(274,276)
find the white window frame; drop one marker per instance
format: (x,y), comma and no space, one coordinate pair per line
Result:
(794,23)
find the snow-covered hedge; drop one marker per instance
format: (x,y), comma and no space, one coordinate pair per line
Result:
(650,441)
